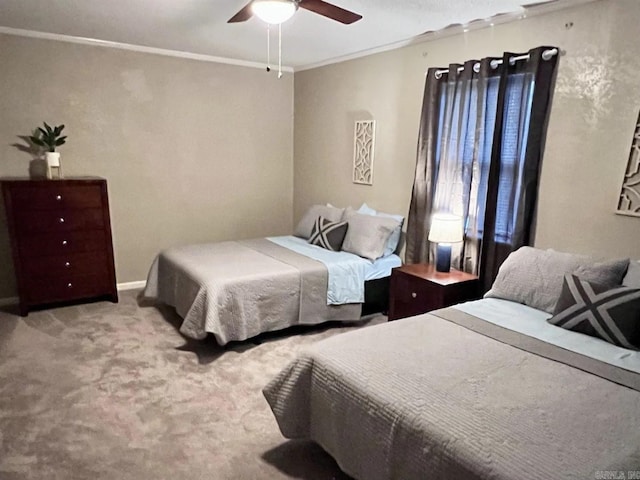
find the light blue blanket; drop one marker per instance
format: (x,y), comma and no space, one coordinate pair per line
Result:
(346,271)
(532,322)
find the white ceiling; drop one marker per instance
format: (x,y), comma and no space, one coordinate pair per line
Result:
(199,26)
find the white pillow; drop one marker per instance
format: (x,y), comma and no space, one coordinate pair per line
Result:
(394,239)
(305,225)
(632,278)
(367,210)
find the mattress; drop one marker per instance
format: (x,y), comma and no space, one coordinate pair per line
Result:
(448,395)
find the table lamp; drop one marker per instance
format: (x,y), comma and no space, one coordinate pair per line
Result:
(445,230)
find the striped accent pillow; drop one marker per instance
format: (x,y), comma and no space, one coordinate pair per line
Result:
(612,314)
(328,234)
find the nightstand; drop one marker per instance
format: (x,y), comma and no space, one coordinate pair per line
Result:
(419,288)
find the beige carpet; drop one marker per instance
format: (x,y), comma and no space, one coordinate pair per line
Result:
(104,391)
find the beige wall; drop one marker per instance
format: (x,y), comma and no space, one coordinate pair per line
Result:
(596,102)
(192,151)
(197,151)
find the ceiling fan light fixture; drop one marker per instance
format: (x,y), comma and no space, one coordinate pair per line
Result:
(274,11)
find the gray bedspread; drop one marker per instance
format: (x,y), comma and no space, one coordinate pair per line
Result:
(430,398)
(237,290)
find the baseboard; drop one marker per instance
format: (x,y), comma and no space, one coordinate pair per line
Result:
(121,287)
(131,285)
(8,301)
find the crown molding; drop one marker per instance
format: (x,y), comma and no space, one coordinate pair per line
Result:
(479,24)
(539,9)
(134,48)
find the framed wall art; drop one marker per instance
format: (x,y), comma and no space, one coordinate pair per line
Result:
(363,149)
(629,200)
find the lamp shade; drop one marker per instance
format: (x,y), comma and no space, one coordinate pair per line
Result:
(446,228)
(274,11)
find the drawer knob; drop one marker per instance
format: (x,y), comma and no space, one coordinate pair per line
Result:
(58,197)
(69,285)
(64,242)
(61,220)
(67,264)
(414,294)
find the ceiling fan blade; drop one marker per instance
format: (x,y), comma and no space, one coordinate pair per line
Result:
(330,11)
(243,15)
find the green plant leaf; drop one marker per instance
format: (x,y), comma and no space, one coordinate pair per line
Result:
(49,130)
(61,127)
(42,132)
(61,141)
(37,140)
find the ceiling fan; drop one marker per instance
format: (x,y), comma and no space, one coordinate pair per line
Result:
(278,11)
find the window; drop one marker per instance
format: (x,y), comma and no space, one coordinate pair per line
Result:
(460,140)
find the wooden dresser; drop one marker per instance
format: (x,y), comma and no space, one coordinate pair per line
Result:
(61,240)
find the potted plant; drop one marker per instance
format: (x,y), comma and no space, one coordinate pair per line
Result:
(50,138)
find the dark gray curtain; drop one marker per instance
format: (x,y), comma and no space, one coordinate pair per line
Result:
(479,149)
(417,249)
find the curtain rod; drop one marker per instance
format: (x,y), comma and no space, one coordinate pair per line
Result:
(546,55)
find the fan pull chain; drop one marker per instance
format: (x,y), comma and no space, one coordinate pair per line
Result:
(279,50)
(268,48)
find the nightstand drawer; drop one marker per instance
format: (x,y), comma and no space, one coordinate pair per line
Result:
(419,288)
(412,296)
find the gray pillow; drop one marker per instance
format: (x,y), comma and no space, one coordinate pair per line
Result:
(607,274)
(632,278)
(534,277)
(394,238)
(305,225)
(349,212)
(367,236)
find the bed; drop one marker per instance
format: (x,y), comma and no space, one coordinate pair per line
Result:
(336,266)
(488,389)
(237,290)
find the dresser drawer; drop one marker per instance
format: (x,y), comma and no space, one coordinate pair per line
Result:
(41,221)
(62,265)
(55,197)
(41,245)
(66,287)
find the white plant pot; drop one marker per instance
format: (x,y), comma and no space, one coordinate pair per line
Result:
(54,170)
(53,159)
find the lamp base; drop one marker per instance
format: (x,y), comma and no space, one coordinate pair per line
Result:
(443,258)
